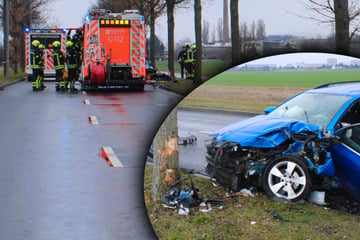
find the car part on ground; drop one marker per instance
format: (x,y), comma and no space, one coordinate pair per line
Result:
(184,198)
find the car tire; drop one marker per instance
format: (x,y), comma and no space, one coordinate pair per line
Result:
(280,184)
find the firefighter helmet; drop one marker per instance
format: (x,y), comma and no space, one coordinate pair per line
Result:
(41,46)
(69,44)
(35,43)
(56,44)
(187,45)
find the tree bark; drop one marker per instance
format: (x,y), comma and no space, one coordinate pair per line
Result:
(235,35)
(170,5)
(166,157)
(342,21)
(152,33)
(198,37)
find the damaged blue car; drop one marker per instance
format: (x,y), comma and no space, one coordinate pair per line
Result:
(310,142)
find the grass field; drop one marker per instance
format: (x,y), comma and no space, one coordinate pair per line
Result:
(254,91)
(303,79)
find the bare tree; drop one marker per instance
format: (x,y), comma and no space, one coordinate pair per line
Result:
(260,30)
(220,32)
(206,32)
(198,38)
(235,35)
(156,8)
(252,30)
(340,12)
(166,156)
(170,8)
(23,13)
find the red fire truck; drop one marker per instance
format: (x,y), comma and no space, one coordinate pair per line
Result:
(114,50)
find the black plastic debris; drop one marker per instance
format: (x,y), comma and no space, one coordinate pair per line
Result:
(278,216)
(185,198)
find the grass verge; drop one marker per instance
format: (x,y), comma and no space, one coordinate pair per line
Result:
(248,218)
(13,77)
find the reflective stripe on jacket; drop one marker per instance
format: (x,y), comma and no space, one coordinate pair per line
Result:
(59,59)
(188,56)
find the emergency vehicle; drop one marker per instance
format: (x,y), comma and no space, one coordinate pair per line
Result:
(114,50)
(46,37)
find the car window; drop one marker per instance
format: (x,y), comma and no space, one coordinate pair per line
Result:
(352,138)
(351,116)
(315,108)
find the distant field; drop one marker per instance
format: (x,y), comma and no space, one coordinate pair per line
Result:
(303,79)
(254,91)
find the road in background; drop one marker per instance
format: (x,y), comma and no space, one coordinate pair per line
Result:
(54,184)
(201,123)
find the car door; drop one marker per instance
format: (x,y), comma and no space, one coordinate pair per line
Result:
(346,157)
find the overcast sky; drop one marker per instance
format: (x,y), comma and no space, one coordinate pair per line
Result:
(280,17)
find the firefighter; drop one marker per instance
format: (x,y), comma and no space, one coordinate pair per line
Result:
(77,40)
(72,64)
(36,62)
(59,63)
(180,60)
(188,60)
(42,49)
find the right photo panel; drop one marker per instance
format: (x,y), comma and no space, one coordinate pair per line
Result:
(267,149)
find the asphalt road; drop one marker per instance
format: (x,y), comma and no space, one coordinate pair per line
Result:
(200,124)
(54,183)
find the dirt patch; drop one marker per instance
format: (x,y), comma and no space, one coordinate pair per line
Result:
(241,98)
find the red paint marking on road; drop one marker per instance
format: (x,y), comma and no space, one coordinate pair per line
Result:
(110,156)
(119,124)
(87,102)
(93,120)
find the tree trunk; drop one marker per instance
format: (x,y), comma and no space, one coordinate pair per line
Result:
(198,54)
(22,52)
(235,35)
(152,33)
(166,157)
(225,22)
(342,21)
(170,5)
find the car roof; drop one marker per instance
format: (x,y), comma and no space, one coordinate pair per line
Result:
(351,88)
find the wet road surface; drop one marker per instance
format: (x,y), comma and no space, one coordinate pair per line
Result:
(54,184)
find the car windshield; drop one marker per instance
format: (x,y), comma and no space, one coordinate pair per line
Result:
(315,108)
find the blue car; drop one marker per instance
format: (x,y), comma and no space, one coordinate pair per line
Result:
(309,142)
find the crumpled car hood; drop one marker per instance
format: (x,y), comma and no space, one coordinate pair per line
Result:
(262,131)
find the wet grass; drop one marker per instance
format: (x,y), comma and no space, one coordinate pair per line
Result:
(246,217)
(12,77)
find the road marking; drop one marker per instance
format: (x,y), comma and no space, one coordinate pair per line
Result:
(87,102)
(108,153)
(93,120)
(205,132)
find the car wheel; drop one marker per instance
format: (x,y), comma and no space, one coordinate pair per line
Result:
(287,177)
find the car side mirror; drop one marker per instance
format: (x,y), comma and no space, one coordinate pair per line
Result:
(269,109)
(347,131)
